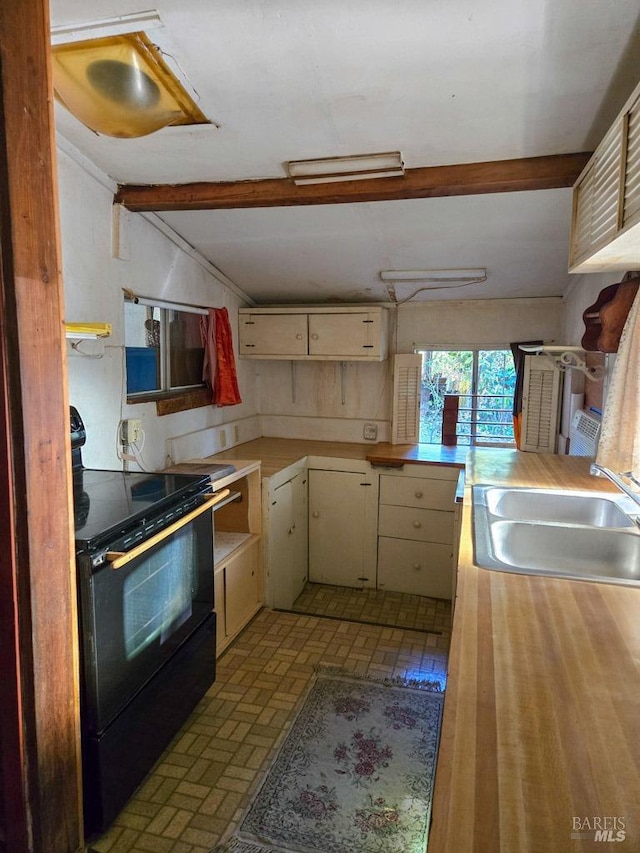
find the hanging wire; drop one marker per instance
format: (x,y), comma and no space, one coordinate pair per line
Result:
(75,346)
(392,291)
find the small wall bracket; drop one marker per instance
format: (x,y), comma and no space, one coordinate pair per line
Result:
(565,358)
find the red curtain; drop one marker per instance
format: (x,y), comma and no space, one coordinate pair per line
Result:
(219,367)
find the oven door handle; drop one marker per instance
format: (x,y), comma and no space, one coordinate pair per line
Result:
(120,558)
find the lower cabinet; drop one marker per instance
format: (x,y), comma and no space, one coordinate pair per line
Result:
(341,522)
(416,530)
(237,591)
(342,525)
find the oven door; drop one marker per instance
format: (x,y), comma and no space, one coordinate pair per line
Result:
(139,608)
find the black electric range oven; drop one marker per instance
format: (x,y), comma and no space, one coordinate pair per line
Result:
(144,557)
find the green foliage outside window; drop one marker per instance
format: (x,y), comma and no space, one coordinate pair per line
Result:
(483,379)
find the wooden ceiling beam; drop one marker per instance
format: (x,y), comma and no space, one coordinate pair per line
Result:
(498,176)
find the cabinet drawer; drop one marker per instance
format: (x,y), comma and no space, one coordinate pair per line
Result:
(417,491)
(424,525)
(417,568)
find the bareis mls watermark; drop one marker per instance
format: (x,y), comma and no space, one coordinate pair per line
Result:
(598,829)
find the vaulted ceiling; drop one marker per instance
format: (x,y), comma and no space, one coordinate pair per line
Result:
(443,81)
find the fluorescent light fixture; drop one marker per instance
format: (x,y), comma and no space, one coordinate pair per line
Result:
(121,86)
(478,274)
(359,167)
(87,331)
(103,27)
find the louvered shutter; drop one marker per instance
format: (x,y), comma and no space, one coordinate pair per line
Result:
(540,401)
(606,190)
(597,196)
(583,206)
(407,376)
(632,166)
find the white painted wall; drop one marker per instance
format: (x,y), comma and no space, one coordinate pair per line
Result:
(583,292)
(321,400)
(491,322)
(314,403)
(93,292)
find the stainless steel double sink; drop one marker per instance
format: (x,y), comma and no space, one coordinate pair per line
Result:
(589,536)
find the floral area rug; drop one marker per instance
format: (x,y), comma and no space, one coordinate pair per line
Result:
(354,775)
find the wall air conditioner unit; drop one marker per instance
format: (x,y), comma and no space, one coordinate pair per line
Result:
(540,405)
(584,434)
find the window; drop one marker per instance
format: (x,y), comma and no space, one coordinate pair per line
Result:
(163,350)
(484,380)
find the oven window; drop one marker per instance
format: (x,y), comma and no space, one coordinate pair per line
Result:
(157,597)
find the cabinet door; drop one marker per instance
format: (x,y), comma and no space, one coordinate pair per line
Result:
(279,568)
(418,568)
(273,334)
(241,589)
(218,587)
(347,335)
(338,528)
(299,536)
(288,518)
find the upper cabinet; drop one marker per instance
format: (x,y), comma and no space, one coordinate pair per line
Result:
(343,333)
(273,335)
(605,227)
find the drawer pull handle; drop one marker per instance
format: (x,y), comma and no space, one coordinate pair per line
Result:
(314,336)
(417,524)
(418,494)
(417,566)
(298,337)
(315,514)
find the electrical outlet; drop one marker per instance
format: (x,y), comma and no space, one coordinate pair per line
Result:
(130,431)
(370,432)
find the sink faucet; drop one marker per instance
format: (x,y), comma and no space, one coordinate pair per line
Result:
(616,479)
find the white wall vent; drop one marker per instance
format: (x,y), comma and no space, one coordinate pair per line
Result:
(584,435)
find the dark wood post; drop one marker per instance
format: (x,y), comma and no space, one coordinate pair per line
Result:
(40,806)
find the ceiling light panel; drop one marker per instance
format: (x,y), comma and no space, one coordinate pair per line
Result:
(121,86)
(358,167)
(434,275)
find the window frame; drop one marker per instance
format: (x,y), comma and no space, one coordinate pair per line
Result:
(168,400)
(475,349)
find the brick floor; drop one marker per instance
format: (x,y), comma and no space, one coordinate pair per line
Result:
(202,784)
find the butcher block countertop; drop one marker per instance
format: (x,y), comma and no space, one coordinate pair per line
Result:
(276,454)
(540,743)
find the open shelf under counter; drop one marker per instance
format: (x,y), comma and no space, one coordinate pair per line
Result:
(228,544)
(237,524)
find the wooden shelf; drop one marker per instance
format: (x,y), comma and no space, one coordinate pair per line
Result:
(229,545)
